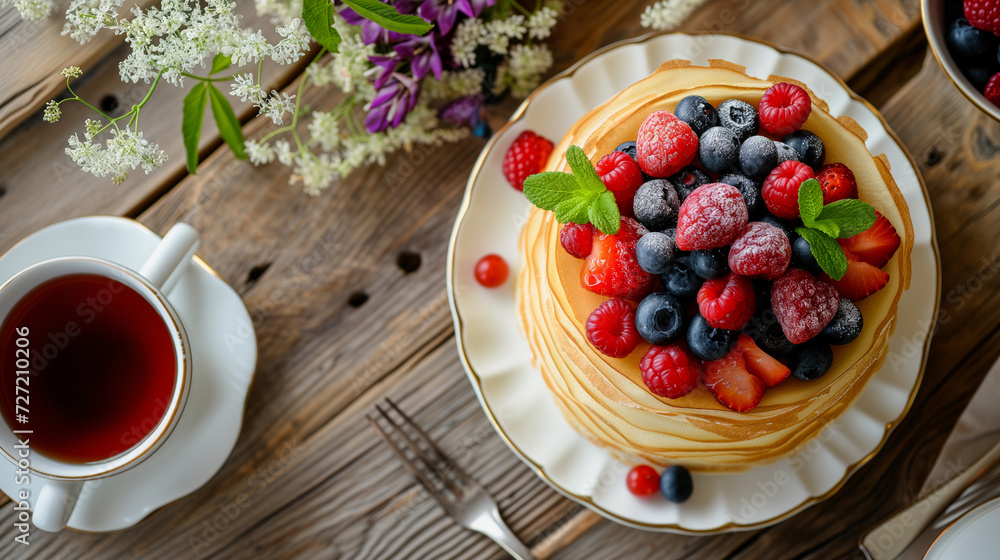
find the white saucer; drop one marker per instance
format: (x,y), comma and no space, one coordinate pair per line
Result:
(224,356)
(973,537)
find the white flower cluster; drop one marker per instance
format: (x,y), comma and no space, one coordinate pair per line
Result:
(282,11)
(540,23)
(125,151)
(52,112)
(525,66)
(273,106)
(497,34)
(668,14)
(32,10)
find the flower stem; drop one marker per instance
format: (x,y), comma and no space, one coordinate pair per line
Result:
(206,78)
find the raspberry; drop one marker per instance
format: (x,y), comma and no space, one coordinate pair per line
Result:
(622,176)
(665,144)
(526,156)
(727,302)
(669,372)
(577,239)
(837,182)
(781,188)
(761,251)
(611,328)
(983,14)
(712,216)
(992,91)
(803,304)
(784,108)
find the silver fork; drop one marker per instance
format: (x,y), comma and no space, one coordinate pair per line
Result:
(460,495)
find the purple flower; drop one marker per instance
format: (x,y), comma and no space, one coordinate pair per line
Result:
(478,6)
(392,102)
(382,70)
(462,111)
(444,12)
(423,54)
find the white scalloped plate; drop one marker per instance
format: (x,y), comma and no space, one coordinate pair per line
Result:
(511,390)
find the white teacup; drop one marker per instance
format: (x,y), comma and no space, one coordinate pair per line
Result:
(62,480)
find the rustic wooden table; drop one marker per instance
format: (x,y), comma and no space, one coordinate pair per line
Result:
(347,295)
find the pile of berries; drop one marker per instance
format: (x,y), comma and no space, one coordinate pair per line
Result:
(707,268)
(973,38)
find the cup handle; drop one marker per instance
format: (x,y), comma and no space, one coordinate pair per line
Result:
(164,265)
(55,504)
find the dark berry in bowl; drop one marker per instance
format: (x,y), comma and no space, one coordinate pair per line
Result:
(740,117)
(627,148)
(681,280)
(656,204)
(846,325)
(785,152)
(802,256)
(655,252)
(810,360)
(719,150)
(765,330)
(710,263)
(676,484)
(708,342)
(750,190)
(787,226)
(968,44)
(688,179)
(697,112)
(810,147)
(660,318)
(758,156)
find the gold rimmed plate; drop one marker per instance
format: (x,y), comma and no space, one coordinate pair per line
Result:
(513,395)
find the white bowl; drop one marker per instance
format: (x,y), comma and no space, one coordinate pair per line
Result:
(935,27)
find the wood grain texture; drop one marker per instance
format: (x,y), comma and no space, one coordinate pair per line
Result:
(308,478)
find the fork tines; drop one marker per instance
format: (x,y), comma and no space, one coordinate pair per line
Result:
(425,460)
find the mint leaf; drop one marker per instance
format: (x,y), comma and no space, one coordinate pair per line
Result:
(229,125)
(194,114)
(548,189)
(389,17)
(828,227)
(583,170)
(604,213)
(220,63)
(810,201)
(318,17)
(851,216)
(576,210)
(827,251)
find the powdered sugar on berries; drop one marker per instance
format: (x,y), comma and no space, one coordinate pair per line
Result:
(803,304)
(665,144)
(712,216)
(761,251)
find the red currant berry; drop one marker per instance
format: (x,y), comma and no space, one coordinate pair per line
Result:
(492,271)
(643,480)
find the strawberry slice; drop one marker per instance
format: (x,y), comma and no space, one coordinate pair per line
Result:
(860,281)
(760,364)
(612,269)
(876,245)
(731,383)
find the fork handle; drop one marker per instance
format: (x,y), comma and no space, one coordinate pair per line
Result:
(493,526)
(891,537)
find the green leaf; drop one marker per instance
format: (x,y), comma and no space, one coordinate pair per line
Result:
(827,251)
(546,190)
(220,63)
(388,17)
(586,176)
(194,114)
(604,214)
(318,17)
(810,201)
(575,209)
(229,125)
(852,216)
(828,227)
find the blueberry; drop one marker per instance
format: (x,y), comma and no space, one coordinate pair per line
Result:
(785,152)
(676,484)
(968,44)
(740,117)
(656,204)
(846,325)
(719,150)
(689,179)
(655,252)
(681,280)
(810,360)
(766,331)
(762,290)
(979,76)
(787,226)
(758,156)
(711,263)
(660,318)
(627,148)
(750,190)
(802,256)
(708,342)
(810,147)
(697,112)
